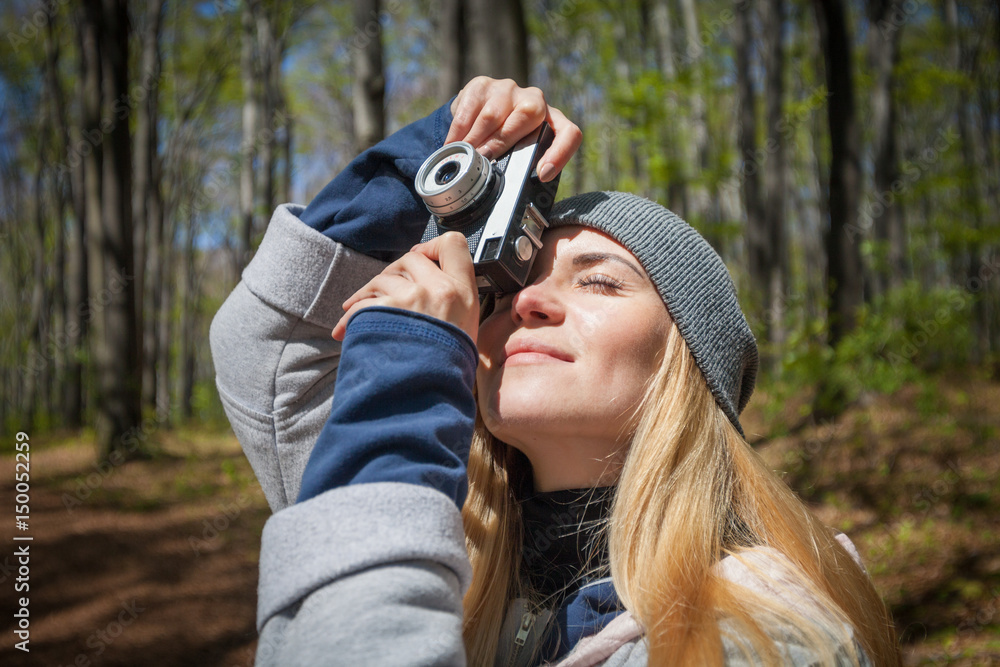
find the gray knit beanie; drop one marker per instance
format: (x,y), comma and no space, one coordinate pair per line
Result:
(690,277)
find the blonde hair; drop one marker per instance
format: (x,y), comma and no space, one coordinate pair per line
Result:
(691,491)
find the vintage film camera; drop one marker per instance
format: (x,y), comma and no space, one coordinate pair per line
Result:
(500,206)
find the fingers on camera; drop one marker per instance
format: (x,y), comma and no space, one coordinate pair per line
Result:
(567,140)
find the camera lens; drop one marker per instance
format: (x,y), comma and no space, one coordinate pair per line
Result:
(456,182)
(446,172)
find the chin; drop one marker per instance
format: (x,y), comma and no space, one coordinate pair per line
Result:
(525,407)
(527,421)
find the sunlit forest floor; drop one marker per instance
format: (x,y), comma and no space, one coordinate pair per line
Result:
(913,480)
(155,562)
(156,566)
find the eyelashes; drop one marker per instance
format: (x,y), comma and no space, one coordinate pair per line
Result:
(602,283)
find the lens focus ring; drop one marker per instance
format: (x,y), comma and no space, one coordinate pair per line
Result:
(452,178)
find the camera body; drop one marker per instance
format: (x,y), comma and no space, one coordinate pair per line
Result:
(500,206)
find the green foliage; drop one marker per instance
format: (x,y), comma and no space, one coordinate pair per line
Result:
(206,405)
(925,329)
(903,337)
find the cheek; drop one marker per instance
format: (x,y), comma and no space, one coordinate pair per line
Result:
(629,334)
(484,386)
(649,347)
(489,342)
(594,327)
(631,354)
(491,338)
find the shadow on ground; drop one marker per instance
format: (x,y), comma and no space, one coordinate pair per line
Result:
(156,566)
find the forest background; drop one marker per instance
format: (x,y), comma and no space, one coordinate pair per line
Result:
(842,157)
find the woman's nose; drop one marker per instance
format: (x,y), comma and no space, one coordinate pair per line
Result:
(536,303)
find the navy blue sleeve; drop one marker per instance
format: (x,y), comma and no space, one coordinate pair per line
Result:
(403,409)
(372,206)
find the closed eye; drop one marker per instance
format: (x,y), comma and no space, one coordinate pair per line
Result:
(601,283)
(597,282)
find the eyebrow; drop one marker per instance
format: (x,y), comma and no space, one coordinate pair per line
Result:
(587,259)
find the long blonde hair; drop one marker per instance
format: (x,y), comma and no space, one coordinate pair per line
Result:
(691,491)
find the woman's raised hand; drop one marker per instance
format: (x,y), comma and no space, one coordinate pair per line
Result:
(437,278)
(493,115)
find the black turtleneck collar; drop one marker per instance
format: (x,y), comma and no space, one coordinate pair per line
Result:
(564,542)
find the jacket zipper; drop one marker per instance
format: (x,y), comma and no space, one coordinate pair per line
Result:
(522,636)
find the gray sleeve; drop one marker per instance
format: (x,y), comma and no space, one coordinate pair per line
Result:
(275,361)
(636,654)
(371,574)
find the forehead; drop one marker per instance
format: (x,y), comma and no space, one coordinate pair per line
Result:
(561,244)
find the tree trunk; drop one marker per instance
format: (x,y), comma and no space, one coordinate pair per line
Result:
(156,278)
(672,130)
(774,175)
(844,257)
(988,110)
(971,195)
(818,294)
(60,317)
(482,37)
(453,40)
(248,145)
(146,199)
(884,209)
(164,318)
(38,308)
(109,216)
(78,287)
(758,255)
(697,128)
(269,53)
(664,39)
(69,255)
(497,39)
(88,30)
(189,313)
(121,380)
(369,77)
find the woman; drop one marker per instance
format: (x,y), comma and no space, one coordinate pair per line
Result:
(608,510)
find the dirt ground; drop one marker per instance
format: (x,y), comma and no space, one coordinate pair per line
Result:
(155,562)
(147,563)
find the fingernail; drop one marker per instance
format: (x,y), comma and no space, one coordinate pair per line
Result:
(486,152)
(545,172)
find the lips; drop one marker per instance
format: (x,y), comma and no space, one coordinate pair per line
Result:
(528,349)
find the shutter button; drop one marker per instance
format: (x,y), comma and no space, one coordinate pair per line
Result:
(523,248)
